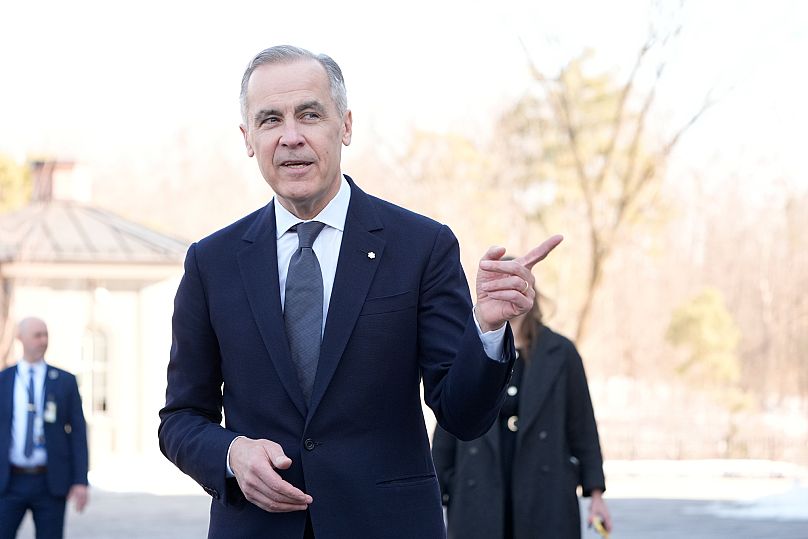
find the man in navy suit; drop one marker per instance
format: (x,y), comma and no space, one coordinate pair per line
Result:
(43,439)
(345,454)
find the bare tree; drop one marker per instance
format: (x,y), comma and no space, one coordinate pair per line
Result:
(594,140)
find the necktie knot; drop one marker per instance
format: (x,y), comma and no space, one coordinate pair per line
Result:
(307,233)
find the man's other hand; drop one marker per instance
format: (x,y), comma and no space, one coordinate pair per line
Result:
(254,462)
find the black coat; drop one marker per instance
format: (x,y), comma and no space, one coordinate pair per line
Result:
(557,449)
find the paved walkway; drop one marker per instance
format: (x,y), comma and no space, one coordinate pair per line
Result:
(112,515)
(147,516)
(648,500)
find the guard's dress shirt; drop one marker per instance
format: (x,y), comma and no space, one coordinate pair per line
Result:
(19,419)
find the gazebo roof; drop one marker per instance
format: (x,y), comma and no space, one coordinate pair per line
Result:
(70,232)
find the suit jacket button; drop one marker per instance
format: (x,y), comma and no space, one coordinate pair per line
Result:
(68,428)
(471,483)
(543,435)
(473,450)
(309,444)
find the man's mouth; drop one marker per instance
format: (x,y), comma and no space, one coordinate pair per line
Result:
(295,164)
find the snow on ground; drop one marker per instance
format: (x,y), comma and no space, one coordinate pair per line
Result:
(789,505)
(755,489)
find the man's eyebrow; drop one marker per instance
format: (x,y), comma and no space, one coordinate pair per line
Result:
(265,113)
(310,105)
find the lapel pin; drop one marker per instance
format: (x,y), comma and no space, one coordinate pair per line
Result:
(53,375)
(371,255)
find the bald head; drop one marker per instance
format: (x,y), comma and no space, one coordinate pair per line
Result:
(33,335)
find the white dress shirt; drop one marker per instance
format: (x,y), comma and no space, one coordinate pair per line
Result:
(326,245)
(19,418)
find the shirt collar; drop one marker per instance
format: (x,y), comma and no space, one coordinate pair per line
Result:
(333,214)
(24,367)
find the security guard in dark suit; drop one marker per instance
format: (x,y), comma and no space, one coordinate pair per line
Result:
(43,439)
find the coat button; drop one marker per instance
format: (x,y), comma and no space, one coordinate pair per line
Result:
(473,450)
(309,444)
(512,391)
(542,435)
(68,428)
(471,483)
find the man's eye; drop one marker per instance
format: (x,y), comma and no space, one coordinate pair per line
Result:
(270,120)
(310,116)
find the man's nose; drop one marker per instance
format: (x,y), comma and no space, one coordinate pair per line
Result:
(291,135)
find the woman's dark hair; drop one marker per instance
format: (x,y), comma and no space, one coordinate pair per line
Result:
(533,323)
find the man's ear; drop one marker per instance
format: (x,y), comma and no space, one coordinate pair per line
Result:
(250,151)
(347,126)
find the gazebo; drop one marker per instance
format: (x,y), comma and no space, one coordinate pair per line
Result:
(104,285)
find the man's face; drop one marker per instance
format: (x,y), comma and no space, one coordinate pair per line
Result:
(295,132)
(34,338)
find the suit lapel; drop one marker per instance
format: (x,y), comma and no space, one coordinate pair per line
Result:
(258,264)
(50,392)
(49,387)
(546,362)
(355,270)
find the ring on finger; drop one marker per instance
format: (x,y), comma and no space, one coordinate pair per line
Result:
(526,287)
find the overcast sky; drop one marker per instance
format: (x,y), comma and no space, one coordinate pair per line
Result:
(86,79)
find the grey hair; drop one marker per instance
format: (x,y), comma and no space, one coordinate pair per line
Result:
(288,53)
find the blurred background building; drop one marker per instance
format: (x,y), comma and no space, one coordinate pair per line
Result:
(105,286)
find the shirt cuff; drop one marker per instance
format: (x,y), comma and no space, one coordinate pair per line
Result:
(228,472)
(493,341)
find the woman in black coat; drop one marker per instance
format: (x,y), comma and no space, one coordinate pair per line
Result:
(519,480)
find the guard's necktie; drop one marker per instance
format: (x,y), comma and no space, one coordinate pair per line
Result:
(29,427)
(303,306)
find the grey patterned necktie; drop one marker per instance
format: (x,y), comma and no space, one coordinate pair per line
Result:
(303,306)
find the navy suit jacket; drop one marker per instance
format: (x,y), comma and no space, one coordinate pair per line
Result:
(65,438)
(400,312)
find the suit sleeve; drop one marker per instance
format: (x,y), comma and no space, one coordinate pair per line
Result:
(444,447)
(78,436)
(462,385)
(582,430)
(190,432)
